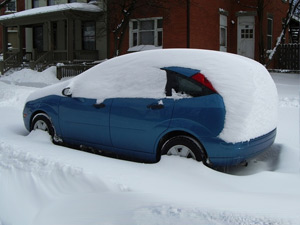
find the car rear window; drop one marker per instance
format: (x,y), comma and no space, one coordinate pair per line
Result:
(185,85)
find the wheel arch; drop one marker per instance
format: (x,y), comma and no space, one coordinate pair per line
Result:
(35,114)
(175,133)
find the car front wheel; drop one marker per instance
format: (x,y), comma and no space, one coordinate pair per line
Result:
(184,146)
(42,122)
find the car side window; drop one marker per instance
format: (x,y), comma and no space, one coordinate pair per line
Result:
(183,85)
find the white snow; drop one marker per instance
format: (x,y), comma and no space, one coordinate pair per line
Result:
(249,93)
(41,183)
(85,7)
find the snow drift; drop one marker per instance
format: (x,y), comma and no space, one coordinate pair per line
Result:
(42,183)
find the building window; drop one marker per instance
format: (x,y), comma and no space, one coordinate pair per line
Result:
(247,33)
(35,3)
(146,32)
(223,33)
(50,2)
(11,6)
(89,35)
(270,33)
(38,40)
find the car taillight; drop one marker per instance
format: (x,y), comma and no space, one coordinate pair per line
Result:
(199,77)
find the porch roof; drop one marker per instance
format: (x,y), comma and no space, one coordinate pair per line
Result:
(51,13)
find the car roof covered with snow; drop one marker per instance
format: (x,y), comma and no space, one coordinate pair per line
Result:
(248,91)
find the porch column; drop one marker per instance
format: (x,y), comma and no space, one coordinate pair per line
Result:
(4,48)
(20,43)
(70,39)
(50,37)
(4,41)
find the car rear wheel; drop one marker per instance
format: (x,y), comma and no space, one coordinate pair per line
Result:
(42,122)
(184,146)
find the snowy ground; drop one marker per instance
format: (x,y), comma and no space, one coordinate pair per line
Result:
(41,183)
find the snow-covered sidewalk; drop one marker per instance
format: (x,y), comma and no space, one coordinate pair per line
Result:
(41,183)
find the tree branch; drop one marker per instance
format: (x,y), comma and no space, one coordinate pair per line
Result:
(4,3)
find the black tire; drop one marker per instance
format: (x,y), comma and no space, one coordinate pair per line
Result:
(184,146)
(42,122)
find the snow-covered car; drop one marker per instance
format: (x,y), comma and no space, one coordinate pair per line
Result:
(214,107)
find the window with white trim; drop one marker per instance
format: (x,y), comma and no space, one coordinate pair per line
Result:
(89,35)
(35,4)
(223,33)
(11,6)
(50,2)
(146,32)
(270,33)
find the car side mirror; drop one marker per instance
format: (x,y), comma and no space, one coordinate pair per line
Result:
(67,92)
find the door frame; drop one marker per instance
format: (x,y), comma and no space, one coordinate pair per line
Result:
(243,22)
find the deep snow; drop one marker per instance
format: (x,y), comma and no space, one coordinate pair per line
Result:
(41,183)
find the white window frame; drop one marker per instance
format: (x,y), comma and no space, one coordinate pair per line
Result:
(270,35)
(223,26)
(11,2)
(35,3)
(137,31)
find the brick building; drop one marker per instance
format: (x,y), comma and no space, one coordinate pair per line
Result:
(12,33)
(236,26)
(240,27)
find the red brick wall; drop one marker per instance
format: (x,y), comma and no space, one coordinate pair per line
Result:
(205,23)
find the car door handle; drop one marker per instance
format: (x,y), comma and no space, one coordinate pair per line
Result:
(155,106)
(99,105)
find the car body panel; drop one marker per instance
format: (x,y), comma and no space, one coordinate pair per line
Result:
(101,115)
(201,115)
(222,153)
(141,119)
(81,120)
(48,105)
(128,127)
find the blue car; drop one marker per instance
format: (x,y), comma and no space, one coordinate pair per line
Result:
(144,105)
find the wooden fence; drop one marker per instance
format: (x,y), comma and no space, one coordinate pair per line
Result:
(288,57)
(71,70)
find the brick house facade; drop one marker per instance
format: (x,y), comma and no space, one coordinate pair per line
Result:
(225,25)
(12,7)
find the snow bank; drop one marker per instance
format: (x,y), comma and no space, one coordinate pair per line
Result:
(32,78)
(247,88)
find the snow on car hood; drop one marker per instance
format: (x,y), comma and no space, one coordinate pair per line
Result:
(249,93)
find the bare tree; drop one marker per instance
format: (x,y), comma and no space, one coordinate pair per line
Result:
(3,3)
(293,8)
(121,11)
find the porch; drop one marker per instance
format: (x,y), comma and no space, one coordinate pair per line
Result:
(54,34)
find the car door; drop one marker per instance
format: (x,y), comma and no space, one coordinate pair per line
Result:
(84,121)
(136,123)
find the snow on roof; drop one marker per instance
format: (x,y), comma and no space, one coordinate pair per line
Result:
(85,7)
(248,91)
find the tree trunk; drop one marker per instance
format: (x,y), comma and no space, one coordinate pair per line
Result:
(261,44)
